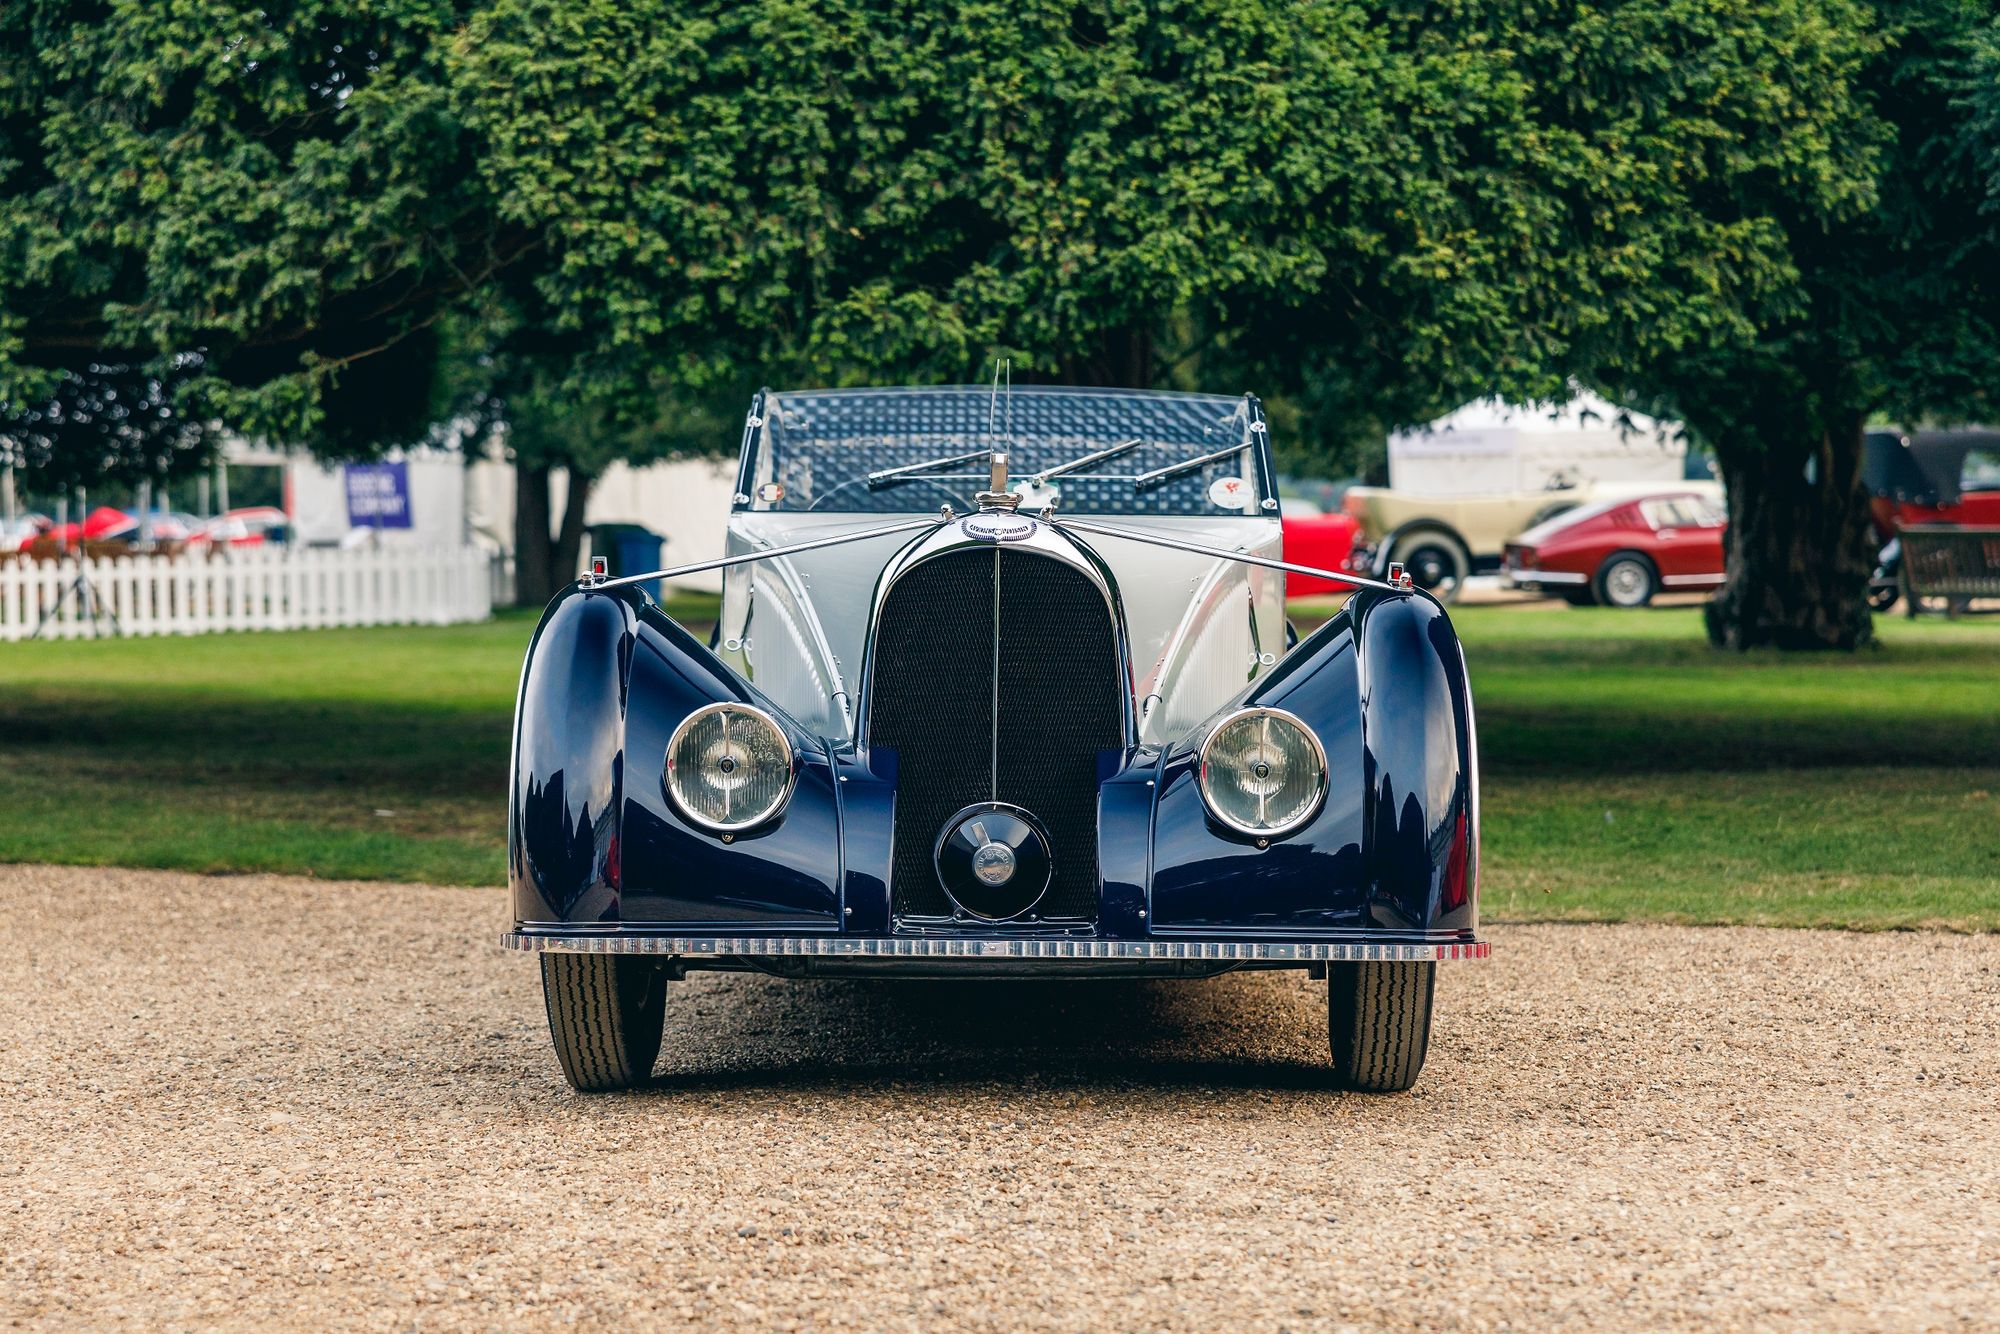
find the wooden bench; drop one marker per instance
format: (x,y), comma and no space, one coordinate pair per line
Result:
(1954,563)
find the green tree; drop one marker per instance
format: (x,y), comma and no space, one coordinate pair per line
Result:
(98,424)
(283,192)
(1888,310)
(1375,211)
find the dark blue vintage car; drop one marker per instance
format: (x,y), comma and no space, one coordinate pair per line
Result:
(1002,687)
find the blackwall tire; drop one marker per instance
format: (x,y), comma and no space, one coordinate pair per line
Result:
(1627,580)
(1378,1022)
(605,1013)
(1436,562)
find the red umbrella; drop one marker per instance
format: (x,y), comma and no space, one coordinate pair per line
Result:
(102,522)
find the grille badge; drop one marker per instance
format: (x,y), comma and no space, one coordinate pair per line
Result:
(997,526)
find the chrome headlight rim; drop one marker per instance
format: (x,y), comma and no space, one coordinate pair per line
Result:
(1306,812)
(694,817)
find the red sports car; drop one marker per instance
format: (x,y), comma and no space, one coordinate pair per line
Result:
(1323,541)
(1621,553)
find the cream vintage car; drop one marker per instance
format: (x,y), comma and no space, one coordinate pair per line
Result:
(1442,540)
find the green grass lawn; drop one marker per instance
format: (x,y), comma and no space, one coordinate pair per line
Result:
(1630,773)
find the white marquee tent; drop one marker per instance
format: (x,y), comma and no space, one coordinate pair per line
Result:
(1490,447)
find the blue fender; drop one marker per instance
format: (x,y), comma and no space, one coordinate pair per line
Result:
(593,838)
(1393,851)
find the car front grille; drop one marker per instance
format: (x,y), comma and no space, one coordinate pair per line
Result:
(1055,687)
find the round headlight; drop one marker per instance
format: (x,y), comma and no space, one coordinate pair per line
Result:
(1263,772)
(729,767)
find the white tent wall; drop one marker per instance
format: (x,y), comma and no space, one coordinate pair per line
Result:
(686,501)
(1495,448)
(437,502)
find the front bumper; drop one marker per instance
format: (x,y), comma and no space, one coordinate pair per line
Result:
(1025,948)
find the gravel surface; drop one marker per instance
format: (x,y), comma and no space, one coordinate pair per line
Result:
(254,1099)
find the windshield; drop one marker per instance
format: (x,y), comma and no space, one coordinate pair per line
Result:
(1106,451)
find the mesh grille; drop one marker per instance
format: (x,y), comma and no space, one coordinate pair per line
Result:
(1060,706)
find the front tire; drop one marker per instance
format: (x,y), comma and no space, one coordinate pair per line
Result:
(1627,580)
(1378,1022)
(605,1014)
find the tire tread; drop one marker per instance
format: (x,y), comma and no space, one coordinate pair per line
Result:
(1379,1023)
(605,1014)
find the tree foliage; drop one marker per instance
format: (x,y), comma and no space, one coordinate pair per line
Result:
(284,191)
(1891,309)
(596,216)
(100,423)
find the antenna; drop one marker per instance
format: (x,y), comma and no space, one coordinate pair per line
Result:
(1010,405)
(997,496)
(993,406)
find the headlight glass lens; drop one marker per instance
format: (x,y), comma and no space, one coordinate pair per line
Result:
(729,767)
(1262,772)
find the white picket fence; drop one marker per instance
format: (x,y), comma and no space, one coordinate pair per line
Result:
(281,588)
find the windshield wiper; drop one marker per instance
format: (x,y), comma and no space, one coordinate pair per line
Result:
(911,469)
(1146,479)
(1074,465)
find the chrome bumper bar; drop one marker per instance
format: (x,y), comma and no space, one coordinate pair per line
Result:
(976,947)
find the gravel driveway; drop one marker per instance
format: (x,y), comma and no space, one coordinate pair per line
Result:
(257,1099)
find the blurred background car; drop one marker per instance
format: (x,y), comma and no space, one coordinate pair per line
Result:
(1314,537)
(1461,486)
(1443,540)
(1621,553)
(1929,478)
(253,526)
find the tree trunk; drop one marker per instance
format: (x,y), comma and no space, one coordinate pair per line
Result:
(534,565)
(1798,551)
(1125,359)
(569,542)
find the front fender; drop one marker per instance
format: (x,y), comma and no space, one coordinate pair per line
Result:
(593,837)
(568,765)
(1394,847)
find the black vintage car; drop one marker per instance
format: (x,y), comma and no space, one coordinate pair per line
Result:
(1001,688)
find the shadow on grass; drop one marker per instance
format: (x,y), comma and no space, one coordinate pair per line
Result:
(190,738)
(1661,737)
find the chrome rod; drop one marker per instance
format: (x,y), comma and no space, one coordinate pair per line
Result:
(1222,553)
(888,474)
(1122,447)
(747,556)
(1185,465)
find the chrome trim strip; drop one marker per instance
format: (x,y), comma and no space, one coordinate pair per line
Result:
(1220,553)
(980,947)
(1691,578)
(1519,577)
